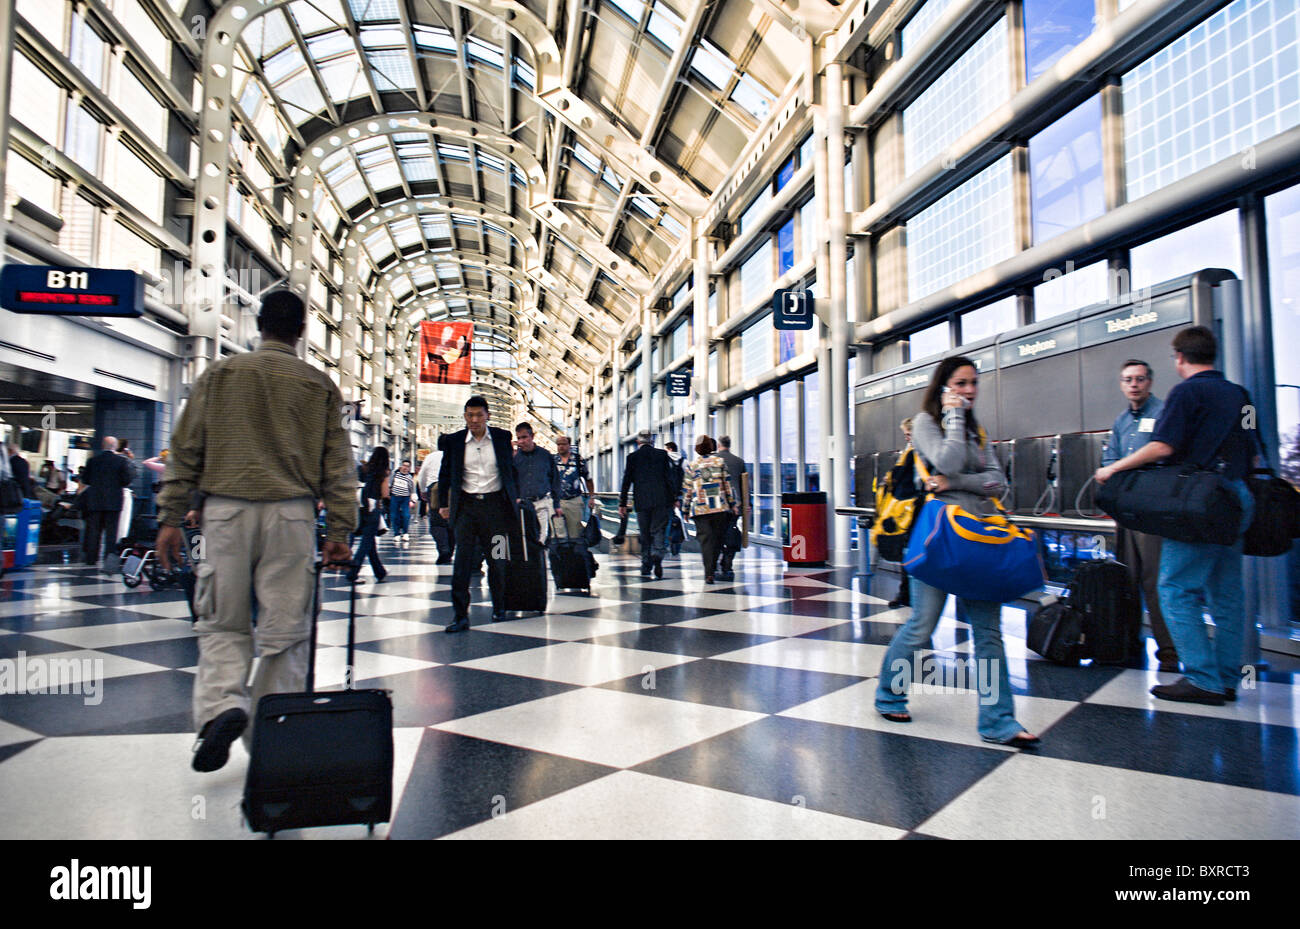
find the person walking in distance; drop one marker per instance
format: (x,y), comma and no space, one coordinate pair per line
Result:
(107,475)
(648,474)
(539,480)
(1203,424)
(477,489)
(426,483)
(735,474)
(259,442)
(575,482)
(373,494)
(401,488)
(1139,552)
(677,468)
(709,501)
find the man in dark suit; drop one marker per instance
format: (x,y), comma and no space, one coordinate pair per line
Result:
(735,471)
(648,473)
(101,501)
(478,490)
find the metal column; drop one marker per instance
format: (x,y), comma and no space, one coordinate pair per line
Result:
(837,254)
(6,74)
(646,419)
(703,268)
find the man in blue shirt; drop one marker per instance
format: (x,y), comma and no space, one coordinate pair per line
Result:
(1139,552)
(1205,422)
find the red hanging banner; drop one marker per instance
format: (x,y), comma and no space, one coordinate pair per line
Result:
(445,352)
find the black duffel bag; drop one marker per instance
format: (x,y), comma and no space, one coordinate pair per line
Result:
(1179,502)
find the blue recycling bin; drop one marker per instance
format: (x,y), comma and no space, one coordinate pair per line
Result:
(27,533)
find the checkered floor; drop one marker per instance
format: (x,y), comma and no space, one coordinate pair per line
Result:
(649,709)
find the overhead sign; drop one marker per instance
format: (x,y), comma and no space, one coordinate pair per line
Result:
(792,309)
(50,290)
(679,384)
(445,352)
(1138,317)
(1041,344)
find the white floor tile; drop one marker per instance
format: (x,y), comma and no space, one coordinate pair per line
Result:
(561,627)
(847,596)
(1030,797)
(331,667)
(12,735)
(727,601)
(369,629)
(813,655)
(74,667)
(577,663)
(629,805)
(44,605)
(127,633)
(1267,704)
(381,606)
(760,623)
(949,716)
(603,726)
(174,609)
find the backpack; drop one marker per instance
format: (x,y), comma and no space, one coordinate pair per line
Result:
(897,503)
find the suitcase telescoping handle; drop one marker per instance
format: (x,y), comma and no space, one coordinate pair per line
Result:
(352,626)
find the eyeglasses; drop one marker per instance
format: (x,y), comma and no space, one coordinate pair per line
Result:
(1137,379)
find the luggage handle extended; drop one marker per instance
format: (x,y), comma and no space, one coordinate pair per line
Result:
(350,670)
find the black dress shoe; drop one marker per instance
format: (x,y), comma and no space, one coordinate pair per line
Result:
(459,625)
(1184,691)
(1229,695)
(215,739)
(659,570)
(498,616)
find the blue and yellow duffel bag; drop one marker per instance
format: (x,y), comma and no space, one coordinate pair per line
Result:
(975,557)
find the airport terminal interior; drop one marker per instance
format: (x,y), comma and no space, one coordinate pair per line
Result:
(762,219)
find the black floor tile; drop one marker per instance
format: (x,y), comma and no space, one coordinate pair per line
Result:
(822,609)
(8,751)
(449,649)
(650,612)
(168,653)
(1243,754)
(155,702)
(458,781)
(35,623)
(11,645)
(738,685)
(894,780)
(860,629)
(676,640)
(436,695)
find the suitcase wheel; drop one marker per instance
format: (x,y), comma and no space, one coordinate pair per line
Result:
(131,581)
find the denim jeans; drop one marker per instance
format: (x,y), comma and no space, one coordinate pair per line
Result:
(399,515)
(1197,577)
(997,719)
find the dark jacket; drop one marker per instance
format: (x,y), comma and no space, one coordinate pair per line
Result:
(22,472)
(648,473)
(735,468)
(451,476)
(106,474)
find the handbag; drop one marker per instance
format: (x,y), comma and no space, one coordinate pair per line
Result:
(1277,512)
(974,557)
(676,531)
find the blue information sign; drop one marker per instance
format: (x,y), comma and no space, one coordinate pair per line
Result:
(792,309)
(679,384)
(48,289)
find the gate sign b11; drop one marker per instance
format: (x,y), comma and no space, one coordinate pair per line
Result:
(46,289)
(792,309)
(679,384)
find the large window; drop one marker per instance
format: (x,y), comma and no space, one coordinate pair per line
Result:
(1065,172)
(749,442)
(964,94)
(790,434)
(756,275)
(767,489)
(1214,243)
(1052,28)
(990,320)
(1221,87)
(756,348)
(812,431)
(964,232)
(1061,293)
(934,340)
(37,107)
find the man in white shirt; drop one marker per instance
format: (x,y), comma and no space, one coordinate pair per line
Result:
(426,485)
(477,492)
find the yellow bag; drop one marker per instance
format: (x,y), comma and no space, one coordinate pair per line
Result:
(897,503)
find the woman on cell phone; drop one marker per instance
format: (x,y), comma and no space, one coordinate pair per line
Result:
(965,471)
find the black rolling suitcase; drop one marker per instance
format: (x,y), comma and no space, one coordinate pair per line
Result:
(321,758)
(1109,609)
(1055,631)
(525,570)
(570,559)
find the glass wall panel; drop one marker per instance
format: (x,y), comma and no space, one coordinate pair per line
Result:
(37,107)
(785,247)
(1218,89)
(749,442)
(970,89)
(1070,291)
(1052,28)
(755,276)
(964,232)
(934,340)
(756,348)
(790,435)
(1214,243)
(988,320)
(1065,172)
(920,24)
(812,432)
(766,464)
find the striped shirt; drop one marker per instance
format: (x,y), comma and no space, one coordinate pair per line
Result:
(401,485)
(263,426)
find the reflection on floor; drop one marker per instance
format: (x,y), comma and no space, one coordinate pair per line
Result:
(649,709)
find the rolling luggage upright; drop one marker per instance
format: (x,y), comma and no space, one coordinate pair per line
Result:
(525,569)
(570,559)
(1110,610)
(321,758)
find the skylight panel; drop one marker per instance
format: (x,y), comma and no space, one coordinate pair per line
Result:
(712,65)
(672,225)
(449,272)
(435,228)
(665,25)
(303,93)
(632,9)
(282,64)
(485,52)
(590,161)
(317,15)
(373,10)
(392,70)
(375,156)
(351,191)
(382,37)
(343,78)
(384,177)
(419,168)
(453,152)
(491,162)
(643,204)
(406,232)
(611,179)
(267,34)
(756,101)
(329,44)
(524,74)
(434,37)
